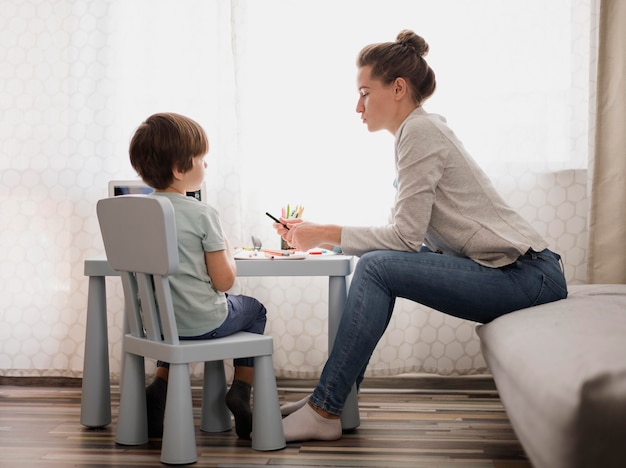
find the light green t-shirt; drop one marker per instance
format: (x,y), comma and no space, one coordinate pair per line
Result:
(199,308)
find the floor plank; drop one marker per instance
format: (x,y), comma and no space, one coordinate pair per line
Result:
(414,423)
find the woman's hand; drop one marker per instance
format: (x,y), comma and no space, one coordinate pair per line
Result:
(281,230)
(304,235)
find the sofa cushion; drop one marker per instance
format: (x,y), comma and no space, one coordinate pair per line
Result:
(560,369)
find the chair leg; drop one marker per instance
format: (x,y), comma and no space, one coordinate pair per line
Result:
(132,419)
(215,414)
(179,437)
(267,425)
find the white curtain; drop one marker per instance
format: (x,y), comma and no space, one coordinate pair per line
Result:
(273,83)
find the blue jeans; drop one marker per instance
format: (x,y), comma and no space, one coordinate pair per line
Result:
(453,285)
(245,313)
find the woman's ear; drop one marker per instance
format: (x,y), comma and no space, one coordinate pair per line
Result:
(400,88)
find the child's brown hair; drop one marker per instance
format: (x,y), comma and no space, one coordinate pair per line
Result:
(165,142)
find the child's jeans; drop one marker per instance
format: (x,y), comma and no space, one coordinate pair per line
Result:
(245,313)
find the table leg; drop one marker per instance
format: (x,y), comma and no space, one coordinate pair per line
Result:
(95,405)
(337,293)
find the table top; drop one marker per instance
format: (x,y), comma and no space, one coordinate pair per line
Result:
(332,265)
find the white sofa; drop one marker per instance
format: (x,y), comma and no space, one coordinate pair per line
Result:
(560,369)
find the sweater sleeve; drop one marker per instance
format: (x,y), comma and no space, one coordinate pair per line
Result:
(421,154)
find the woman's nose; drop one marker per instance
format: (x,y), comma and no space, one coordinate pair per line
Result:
(359,107)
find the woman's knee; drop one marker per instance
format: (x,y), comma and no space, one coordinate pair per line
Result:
(376,267)
(370,262)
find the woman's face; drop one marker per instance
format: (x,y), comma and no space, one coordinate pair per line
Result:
(376,102)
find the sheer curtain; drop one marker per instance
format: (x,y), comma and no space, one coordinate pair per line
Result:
(513,81)
(273,83)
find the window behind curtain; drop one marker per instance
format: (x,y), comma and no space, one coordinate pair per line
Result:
(513,82)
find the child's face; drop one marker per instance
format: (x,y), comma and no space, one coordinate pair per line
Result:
(195,176)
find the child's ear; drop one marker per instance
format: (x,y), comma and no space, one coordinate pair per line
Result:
(177,173)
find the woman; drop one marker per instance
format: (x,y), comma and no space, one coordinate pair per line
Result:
(452,243)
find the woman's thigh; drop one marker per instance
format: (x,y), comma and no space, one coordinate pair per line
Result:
(456,285)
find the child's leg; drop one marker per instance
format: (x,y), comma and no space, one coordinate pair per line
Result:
(162,372)
(244,374)
(156,394)
(238,399)
(244,314)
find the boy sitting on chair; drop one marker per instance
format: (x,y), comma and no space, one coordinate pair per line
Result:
(168,151)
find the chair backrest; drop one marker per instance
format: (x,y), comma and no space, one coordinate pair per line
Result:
(139,234)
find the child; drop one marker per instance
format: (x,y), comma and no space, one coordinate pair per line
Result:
(168,151)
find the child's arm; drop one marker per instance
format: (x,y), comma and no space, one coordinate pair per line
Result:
(221,267)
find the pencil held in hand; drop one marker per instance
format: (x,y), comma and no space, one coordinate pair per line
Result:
(277,220)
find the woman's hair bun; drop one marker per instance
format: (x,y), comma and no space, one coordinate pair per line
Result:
(408,38)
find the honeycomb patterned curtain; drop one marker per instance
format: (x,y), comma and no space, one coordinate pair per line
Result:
(273,83)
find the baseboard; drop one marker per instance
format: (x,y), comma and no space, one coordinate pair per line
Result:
(407,382)
(66,382)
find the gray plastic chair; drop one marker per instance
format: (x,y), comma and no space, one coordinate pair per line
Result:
(140,241)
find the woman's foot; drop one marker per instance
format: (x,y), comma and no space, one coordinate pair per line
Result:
(289,408)
(238,402)
(308,424)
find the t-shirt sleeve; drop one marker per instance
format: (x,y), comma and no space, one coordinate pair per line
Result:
(210,224)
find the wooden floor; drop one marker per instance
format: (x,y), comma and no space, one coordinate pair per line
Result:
(420,423)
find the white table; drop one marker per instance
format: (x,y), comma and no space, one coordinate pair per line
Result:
(95,408)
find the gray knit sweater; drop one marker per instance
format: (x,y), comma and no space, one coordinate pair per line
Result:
(445,201)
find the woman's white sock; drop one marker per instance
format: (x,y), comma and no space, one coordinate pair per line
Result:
(289,408)
(307,424)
